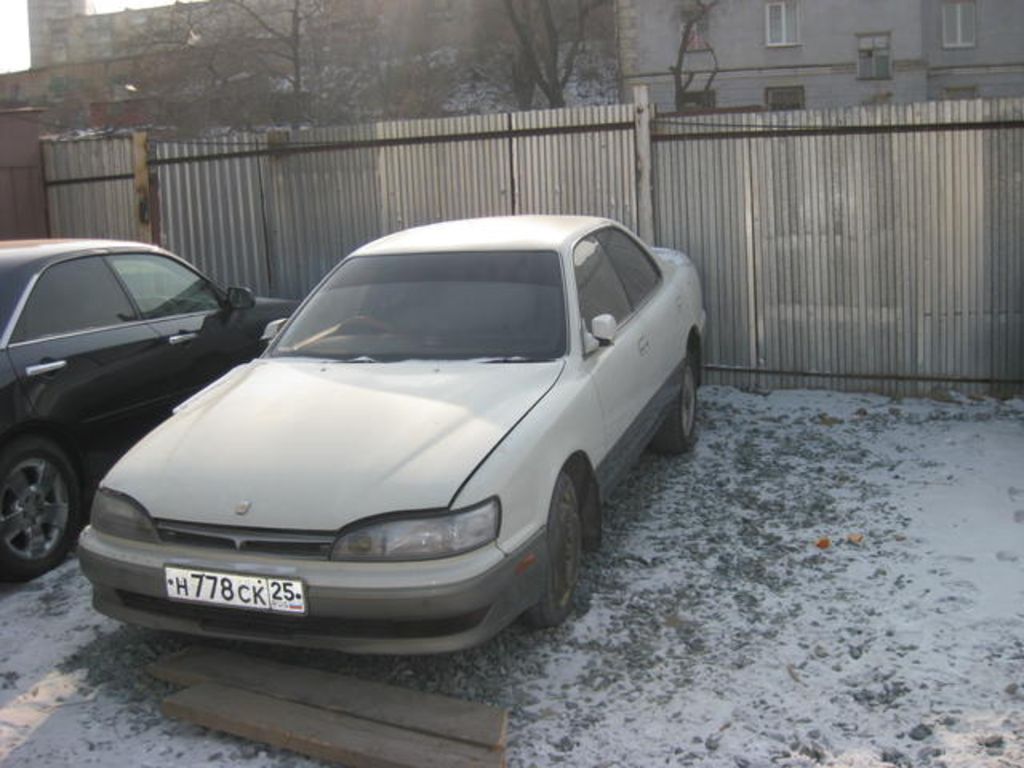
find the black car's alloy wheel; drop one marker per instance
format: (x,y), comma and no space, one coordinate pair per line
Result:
(39,500)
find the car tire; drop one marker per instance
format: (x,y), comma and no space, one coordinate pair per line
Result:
(564,539)
(678,433)
(40,507)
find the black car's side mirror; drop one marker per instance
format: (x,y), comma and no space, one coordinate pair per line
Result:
(240,298)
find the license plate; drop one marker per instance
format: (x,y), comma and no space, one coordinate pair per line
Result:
(254,593)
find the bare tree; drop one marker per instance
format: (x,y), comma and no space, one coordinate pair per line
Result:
(550,35)
(694,18)
(237,63)
(283,34)
(520,74)
(192,71)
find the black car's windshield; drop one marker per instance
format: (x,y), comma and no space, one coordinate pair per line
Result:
(501,306)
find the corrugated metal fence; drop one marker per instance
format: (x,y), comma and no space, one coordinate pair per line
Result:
(275,211)
(89,188)
(863,248)
(867,248)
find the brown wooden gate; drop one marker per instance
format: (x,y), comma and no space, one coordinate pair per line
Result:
(22,199)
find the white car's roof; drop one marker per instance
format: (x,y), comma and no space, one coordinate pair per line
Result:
(525,233)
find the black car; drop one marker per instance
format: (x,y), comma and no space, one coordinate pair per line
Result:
(99,340)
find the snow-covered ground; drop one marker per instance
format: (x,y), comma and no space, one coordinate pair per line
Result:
(714,628)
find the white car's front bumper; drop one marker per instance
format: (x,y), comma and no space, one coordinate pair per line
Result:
(427,607)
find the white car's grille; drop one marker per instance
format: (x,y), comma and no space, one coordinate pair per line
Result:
(309,545)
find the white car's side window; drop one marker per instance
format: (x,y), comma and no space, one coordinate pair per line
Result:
(600,290)
(638,273)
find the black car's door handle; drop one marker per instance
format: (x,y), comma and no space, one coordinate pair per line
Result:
(44,368)
(181,338)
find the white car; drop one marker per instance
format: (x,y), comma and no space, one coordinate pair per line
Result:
(422,453)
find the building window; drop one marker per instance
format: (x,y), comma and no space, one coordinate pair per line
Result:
(59,85)
(790,97)
(874,59)
(699,100)
(781,27)
(958,23)
(960,92)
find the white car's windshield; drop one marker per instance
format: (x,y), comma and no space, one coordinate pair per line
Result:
(500,306)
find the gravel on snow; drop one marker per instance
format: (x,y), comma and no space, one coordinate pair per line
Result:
(829,579)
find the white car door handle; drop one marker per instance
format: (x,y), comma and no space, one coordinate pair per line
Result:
(43,368)
(181,338)
(643,345)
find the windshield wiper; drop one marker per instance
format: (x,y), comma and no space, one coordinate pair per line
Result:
(515,359)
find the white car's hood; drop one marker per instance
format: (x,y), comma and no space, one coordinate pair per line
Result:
(315,446)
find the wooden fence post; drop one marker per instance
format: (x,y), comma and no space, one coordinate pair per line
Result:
(643,115)
(140,169)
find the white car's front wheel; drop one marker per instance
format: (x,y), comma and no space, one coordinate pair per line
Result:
(565,551)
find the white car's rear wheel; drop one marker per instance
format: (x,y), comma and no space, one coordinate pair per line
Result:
(679,432)
(565,551)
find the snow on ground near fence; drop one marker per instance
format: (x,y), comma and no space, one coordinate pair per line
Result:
(831,578)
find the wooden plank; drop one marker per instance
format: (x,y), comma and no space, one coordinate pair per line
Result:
(427,713)
(319,733)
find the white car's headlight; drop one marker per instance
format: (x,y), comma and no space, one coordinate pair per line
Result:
(116,514)
(421,538)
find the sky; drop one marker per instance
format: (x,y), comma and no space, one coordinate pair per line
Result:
(14,51)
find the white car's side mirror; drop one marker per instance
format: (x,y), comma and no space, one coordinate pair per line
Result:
(273,328)
(603,328)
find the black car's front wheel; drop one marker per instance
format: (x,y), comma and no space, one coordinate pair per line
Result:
(565,551)
(40,503)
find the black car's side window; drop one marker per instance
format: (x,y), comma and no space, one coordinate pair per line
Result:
(601,292)
(162,287)
(76,295)
(634,267)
